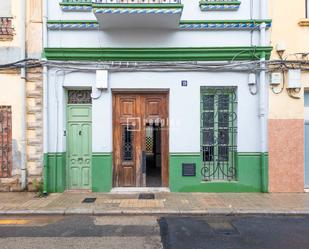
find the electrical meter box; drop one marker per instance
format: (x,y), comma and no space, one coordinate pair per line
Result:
(276,78)
(101,79)
(294,78)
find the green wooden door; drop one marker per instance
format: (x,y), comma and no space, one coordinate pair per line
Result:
(79,146)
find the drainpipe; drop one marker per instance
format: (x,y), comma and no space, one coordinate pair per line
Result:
(45,102)
(22,33)
(263,102)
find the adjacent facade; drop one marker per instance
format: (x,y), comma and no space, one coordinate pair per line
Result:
(21,95)
(288,105)
(162,94)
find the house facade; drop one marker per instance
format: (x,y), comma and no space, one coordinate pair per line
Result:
(21,147)
(157,94)
(288,103)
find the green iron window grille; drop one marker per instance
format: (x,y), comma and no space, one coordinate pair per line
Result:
(218,133)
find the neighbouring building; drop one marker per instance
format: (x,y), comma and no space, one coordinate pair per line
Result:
(21,123)
(156,93)
(289,102)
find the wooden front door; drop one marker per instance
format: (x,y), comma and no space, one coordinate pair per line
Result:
(132,113)
(79,146)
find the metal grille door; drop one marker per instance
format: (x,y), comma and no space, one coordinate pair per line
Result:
(5,141)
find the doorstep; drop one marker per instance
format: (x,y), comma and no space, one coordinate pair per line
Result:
(130,190)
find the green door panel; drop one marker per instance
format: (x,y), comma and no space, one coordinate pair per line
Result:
(79,146)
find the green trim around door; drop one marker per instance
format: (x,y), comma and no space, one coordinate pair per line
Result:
(102,172)
(248,170)
(158,54)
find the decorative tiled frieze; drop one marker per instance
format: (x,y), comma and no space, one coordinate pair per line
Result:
(72,25)
(218,5)
(223,25)
(6,28)
(87,5)
(138,10)
(184,25)
(76,8)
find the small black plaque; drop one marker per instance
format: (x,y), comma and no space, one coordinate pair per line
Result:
(188,169)
(147,196)
(89,200)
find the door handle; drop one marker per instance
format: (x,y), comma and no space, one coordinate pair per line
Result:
(80,133)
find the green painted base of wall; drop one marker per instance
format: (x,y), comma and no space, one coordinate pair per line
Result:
(249,175)
(264,158)
(55,172)
(102,172)
(252,173)
(55,181)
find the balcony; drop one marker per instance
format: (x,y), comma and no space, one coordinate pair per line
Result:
(124,14)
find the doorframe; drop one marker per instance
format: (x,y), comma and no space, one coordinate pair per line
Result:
(67,170)
(164,160)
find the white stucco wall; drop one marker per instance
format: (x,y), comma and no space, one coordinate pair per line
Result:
(157,37)
(191,11)
(184,107)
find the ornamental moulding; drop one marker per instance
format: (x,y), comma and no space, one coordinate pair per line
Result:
(219,5)
(159,54)
(183,25)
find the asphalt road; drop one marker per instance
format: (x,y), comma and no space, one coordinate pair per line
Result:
(150,232)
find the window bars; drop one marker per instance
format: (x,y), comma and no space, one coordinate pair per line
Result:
(79,97)
(5,141)
(218,133)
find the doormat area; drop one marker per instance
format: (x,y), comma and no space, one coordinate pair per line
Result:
(146,196)
(89,200)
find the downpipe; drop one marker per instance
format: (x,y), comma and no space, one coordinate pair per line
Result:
(263,103)
(23,161)
(45,103)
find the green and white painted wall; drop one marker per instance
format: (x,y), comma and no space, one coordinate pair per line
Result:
(73,33)
(184,133)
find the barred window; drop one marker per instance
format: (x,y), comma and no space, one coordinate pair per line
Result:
(218,133)
(5,141)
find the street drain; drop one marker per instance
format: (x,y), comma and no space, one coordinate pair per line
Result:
(222,228)
(89,200)
(148,196)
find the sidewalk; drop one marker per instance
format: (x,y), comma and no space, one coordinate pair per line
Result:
(164,203)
